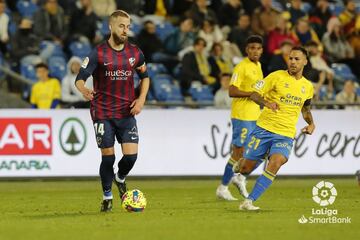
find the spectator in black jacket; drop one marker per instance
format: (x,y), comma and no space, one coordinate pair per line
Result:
(200,11)
(229,13)
(241,32)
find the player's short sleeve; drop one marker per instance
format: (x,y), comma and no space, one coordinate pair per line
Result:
(57,90)
(237,76)
(88,66)
(140,67)
(311,92)
(264,86)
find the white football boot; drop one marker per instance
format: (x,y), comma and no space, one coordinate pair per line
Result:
(239,181)
(223,192)
(247,205)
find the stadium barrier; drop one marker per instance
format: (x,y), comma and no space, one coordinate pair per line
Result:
(173,142)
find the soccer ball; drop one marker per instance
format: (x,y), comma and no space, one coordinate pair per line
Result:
(133,201)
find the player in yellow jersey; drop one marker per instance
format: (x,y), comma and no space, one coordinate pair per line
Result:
(284,94)
(46,93)
(244,113)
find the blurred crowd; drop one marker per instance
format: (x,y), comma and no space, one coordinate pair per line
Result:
(191,46)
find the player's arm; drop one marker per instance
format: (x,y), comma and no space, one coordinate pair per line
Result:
(235,92)
(261,88)
(236,80)
(306,113)
(137,105)
(258,99)
(87,68)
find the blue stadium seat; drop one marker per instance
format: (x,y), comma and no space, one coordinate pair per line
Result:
(358,91)
(103,27)
(324,95)
(336,9)
(57,67)
(26,8)
(136,28)
(155,68)
(164,29)
(201,93)
(164,90)
(343,72)
(80,49)
(306,7)
(58,51)
(28,71)
(2,63)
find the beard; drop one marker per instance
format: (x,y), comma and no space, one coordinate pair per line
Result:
(118,40)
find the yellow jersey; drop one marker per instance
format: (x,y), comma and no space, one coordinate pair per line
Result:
(244,77)
(43,93)
(290,94)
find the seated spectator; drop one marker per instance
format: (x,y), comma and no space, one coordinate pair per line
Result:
(199,11)
(320,16)
(230,12)
(211,33)
(280,60)
(25,45)
(218,62)
(83,23)
(161,8)
(264,18)
(303,33)
(348,95)
(354,38)
(49,22)
(183,37)
(4,23)
(241,32)
(279,34)
(70,95)
(295,11)
(222,99)
(195,67)
(318,63)
(46,93)
(103,8)
(348,17)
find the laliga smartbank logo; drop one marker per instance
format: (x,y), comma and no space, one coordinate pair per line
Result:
(324,193)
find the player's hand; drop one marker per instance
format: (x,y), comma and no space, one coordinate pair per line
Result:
(136,106)
(87,93)
(308,129)
(272,105)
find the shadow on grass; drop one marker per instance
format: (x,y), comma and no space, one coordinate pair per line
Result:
(67,215)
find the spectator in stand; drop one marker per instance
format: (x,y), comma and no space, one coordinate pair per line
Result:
(337,48)
(241,32)
(161,8)
(49,22)
(70,96)
(183,37)
(320,16)
(83,23)
(199,11)
(348,95)
(303,33)
(211,33)
(103,8)
(348,17)
(229,13)
(264,18)
(195,67)
(25,45)
(219,64)
(4,33)
(46,93)
(295,11)
(354,38)
(180,7)
(326,74)
(279,60)
(131,7)
(278,35)
(222,98)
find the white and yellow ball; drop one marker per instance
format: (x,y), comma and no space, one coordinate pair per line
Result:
(134,201)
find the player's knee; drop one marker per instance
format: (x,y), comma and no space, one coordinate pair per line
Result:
(130,157)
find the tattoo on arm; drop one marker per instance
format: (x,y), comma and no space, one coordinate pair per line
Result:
(257,98)
(307,114)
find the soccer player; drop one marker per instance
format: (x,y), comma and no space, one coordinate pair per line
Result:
(284,94)
(244,113)
(114,101)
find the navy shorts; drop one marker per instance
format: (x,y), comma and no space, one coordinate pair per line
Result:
(125,131)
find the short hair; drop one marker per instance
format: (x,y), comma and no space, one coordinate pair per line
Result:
(226,75)
(254,39)
(311,43)
(301,49)
(198,40)
(287,42)
(41,65)
(119,13)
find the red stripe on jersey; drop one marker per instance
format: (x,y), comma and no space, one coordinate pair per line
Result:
(101,76)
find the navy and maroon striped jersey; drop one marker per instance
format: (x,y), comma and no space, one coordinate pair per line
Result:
(113,78)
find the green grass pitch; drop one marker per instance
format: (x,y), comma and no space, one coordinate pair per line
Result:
(177,209)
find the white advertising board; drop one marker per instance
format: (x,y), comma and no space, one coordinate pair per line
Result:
(172,143)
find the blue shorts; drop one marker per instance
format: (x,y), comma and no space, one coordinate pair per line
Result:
(125,131)
(262,141)
(241,131)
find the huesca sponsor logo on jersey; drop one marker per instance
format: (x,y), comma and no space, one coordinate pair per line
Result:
(121,75)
